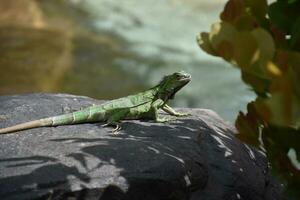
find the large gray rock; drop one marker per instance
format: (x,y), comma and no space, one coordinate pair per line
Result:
(196,157)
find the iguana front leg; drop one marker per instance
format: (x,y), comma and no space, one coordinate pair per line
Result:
(171,111)
(156,105)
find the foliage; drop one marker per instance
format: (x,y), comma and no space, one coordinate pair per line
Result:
(263,41)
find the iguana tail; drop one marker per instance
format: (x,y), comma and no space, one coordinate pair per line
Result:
(90,114)
(26,125)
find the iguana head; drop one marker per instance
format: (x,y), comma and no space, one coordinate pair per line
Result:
(170,84)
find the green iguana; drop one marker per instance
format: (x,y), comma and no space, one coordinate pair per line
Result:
(144,105)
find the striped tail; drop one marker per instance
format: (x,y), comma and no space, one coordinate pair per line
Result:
(27,125)
(90,114)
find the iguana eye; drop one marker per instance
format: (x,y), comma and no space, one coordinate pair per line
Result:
(178,75)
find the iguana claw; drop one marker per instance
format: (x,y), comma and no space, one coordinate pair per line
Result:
(116,129)
(165,119)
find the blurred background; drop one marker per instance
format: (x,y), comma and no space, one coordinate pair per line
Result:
(107,49)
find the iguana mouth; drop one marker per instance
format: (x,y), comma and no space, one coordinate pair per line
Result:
(186,77)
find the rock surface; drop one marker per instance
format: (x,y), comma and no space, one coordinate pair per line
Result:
(193,158)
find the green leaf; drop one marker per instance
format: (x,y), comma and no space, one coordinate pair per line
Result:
(260,85)
(295,35)
(279,143)
(279,17)
(265,51)
(205,44)
(283,14)
(277,106)
(222,31)
(258,7)
(245,50)
(248,126)
(294,63)
(222,36)
(284,109)
(292,1)
(266,45)
(233,10)
(246,23)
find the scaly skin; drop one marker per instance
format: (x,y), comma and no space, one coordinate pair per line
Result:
(144,105)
